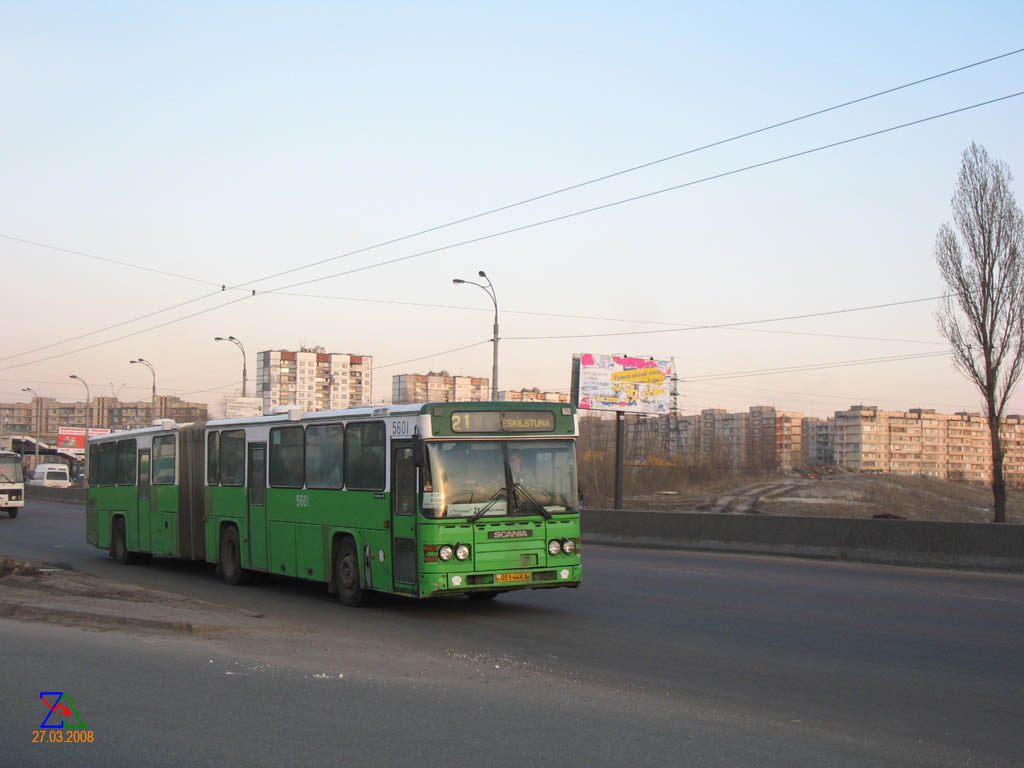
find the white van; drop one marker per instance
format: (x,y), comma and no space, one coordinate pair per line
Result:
(51,476)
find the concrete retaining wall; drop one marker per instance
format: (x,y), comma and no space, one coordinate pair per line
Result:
(901,542)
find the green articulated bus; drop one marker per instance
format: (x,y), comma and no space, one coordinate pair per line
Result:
(418,500)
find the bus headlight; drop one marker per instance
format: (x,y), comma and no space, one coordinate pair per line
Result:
(554,547)
(568,546)
(446,552)
(461,552)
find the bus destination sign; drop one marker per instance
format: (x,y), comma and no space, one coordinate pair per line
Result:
(503,421)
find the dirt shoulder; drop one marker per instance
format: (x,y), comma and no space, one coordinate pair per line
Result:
(842,494)
(32,593)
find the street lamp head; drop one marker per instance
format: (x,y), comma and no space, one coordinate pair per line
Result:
(482,273)
(26,389)
(232,338)
(219,338)
(140,360)
(73,376)
(457,281)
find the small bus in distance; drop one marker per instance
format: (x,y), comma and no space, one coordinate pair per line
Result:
(12,483)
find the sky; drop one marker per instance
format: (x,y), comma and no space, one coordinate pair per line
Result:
(156,152)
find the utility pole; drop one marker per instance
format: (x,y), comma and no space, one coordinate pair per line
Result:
(152,371)
(85,444)
(238,344)
(38,419)
(489,290)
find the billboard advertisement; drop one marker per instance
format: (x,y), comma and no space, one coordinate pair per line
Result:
(622,383)
(243,407)
(72,439)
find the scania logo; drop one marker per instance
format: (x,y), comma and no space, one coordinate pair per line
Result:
(515,533)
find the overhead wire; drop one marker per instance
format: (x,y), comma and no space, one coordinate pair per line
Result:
(434,354)
(110,327)
(631,169)
(645,195)
(811,367)
(562,217)
(563,315)
(804,316)
(107,259)
(128,335)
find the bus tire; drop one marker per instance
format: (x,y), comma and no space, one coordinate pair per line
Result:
(119,545)
(12,512)
(231,558)
(482,595)
(346,574)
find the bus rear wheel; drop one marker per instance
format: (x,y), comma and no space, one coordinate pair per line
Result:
(119,546)
(346,575)
(231,558)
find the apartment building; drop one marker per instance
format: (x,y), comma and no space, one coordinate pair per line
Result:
(438,387)
(314,379)
(819,441)
(44,415)
(922,442)
(532,396)
(774,439)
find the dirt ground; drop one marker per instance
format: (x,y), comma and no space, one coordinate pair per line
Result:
(843,494)
(69,598)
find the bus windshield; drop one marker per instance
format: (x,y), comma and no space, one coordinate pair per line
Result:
(490,478)
(10,470)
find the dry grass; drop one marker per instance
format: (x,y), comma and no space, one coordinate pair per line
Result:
(839,495)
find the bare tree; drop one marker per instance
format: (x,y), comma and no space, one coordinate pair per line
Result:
(983,314)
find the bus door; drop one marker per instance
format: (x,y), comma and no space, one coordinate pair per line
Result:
(143,486)
(257,509)
(403,516)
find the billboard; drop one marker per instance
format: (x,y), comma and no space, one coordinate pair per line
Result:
(622,383)
(243,407)
(72,439)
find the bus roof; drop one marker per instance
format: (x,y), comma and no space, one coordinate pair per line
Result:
(129,433)
(381,411)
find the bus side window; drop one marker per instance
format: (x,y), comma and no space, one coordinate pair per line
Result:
(126,462)
(94,464)
(365,458)
(287,460)
(232,457)
(213,458)
(163,460)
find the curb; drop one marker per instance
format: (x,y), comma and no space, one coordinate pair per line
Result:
(15,609)
(837,554)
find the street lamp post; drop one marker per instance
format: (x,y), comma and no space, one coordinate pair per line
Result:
(39,408)
(88,415)
(153,371)
(238,344)
(489,290)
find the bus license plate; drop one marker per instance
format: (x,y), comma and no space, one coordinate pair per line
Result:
(507,577)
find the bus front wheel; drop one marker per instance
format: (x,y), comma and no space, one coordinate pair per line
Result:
(12,512)
(118,545)
(346,574)
(231,558)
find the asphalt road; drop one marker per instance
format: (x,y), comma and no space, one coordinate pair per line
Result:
(662,658)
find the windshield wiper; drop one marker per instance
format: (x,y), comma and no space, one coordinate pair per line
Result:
(494,499)
(4,478)
(518,488)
